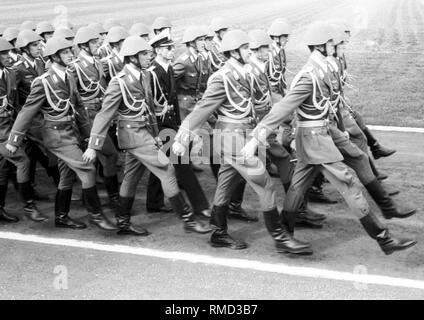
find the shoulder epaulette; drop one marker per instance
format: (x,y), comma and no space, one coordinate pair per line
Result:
(151,68)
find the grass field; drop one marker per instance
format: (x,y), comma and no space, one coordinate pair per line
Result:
(385,55)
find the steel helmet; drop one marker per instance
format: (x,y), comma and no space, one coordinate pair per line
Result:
(139,29)
(233,40)
(65,24)
(25,37)
(85,34)
(10,34)
(279,27)
(207,31)
(109,23)
(64,32)
(98,27)
(116,34)
(192,33)
(258,38)
(55,44)
(5,45)
(160,23)
(28,25)
(2,28)
(133,45)
(219,23)
(339,34)
(318,33)
(43,27)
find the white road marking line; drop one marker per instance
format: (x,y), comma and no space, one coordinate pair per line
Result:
(396,129)
(225,262)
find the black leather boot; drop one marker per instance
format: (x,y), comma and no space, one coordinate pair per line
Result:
(387,243)
(123,218)
(92,203)
(54,173)
(4,216)
(284,241)
(61,210)
(305,213)
(385,203)
(235,211)
(220,237)
(377,150)
(30,209)
(315,194)
(112,188)
(181,207)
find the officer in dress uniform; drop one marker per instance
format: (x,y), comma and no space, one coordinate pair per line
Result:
(11,34)
(29,67)
(160,24)
(168,119)
(312,96)
(102,35)
(141,30)
(130,96)
(91,84)
(377,150)
(260,43)
(230,93)
(354,157)
(55,96)
(219,26)
(114,62)
(8,97)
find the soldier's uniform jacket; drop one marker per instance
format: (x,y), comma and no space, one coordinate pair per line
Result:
(131,98)
(191,73)
(231,94)
(312,96)
(165,96)
(216,57)
(276,69)
(26,72)
(112,64)
(104,50)
(91,81)
(60,105)
(8,94)
(15,56)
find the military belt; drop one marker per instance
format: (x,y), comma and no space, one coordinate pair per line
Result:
(312,123)
(231,120)
(61,119)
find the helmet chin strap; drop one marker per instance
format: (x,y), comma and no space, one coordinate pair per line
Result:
(324,51)
(28,52)
(60,60)
(86,48)
(239,59)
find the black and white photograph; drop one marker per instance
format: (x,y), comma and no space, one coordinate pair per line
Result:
(210,155)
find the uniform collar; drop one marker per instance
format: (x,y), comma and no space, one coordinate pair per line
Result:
(117,54)
(318,58)
(275,46)
(60,73)
(87,57)
(13,55)
(242,69)
(135,72)
(165,66)
(193,53)
(217,41)
(31,63)
(259,64)
(333,62)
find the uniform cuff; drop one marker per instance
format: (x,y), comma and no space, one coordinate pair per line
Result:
(15,138)
(96,141)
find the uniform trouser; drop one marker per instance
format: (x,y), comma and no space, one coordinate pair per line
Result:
(147,156)
(353,156)
(281,158)
(71,164)
(233,169)
(338,175)
(19,159)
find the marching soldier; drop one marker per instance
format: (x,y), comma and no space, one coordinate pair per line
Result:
(11,34)
(102,33)
(105,48)
(19,159)
(160,24)
(260,44)
(91,84)
(55,95)
(312,96)
(129,94)
(45,30)
(168,120)
(230,93)
(114,62)
(27,69)
(141,30)
(220,26)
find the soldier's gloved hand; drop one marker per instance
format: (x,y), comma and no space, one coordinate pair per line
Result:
(158,142)
(89,155)
(346,134)
(249,150)
(11,148)
(178,148)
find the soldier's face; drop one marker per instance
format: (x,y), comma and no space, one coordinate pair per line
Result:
(34,49)
(168,53)
(222,32)
(93,46)
(145,37)
(199,44)
(245,53)
(341,47)
(329,46)
(283,40)
(66,56)
(102,38)
(208,44)
(47,35)
(5,59)
(263,53)
(145,58)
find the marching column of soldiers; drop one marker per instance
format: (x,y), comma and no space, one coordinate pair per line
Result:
(103,100)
